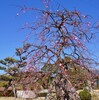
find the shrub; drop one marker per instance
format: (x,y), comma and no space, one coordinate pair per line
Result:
(3,83)
(6,94)
(85,95)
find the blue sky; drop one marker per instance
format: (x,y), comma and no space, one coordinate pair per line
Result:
(12,37)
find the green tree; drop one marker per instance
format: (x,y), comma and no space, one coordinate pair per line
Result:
(11,68)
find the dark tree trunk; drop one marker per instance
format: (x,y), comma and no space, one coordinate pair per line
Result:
(64,89)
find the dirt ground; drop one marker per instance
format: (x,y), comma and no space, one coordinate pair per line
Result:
(11,98)
(95,95)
